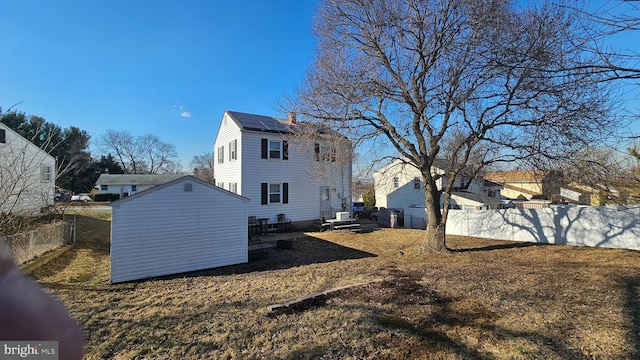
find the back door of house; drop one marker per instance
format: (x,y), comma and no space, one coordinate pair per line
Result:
(325,202)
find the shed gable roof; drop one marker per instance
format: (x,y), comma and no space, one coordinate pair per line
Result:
(182,178)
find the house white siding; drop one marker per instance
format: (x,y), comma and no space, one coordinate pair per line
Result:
(403,192)
(299,172)
(27,175)
(167,230)
(398,185)
(229,170)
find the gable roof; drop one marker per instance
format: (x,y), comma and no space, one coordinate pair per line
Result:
(479,198)
(531,176)
(136,179)
(260,122)
(179,179)
(31,144)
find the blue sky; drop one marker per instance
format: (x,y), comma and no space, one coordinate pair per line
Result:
(164,67)
(167,68)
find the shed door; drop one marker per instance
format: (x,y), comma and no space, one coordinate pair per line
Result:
(325,202)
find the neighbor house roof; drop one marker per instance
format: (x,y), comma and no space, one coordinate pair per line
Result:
(136,179)
(515,176)
(479,198)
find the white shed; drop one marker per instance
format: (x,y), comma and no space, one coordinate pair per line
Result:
(183,225)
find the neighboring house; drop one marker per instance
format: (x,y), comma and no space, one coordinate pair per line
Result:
(399,184)
(130,184)
(183,225)
(27,175)
(538,185)
(260,157)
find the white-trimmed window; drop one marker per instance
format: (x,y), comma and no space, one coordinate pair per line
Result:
(221,155)
(233,150)
(396,182)
(324,153)
(416,182)
(221,185)
(233,187)
(275,149)
(45,173)
(104,187)
(275,193)
(134,187)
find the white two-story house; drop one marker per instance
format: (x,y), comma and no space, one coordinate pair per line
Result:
(399,184)
(27,175)
(282,168)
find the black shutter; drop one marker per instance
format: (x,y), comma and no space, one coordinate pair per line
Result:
(265,194)
(285,150)
(285,193)
(265,148)
(3,138)
(316,155)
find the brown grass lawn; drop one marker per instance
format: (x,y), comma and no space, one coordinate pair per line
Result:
(485,300)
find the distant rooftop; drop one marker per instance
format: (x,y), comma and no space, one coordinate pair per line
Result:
(136,179)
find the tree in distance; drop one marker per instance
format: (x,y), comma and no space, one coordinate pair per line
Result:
(145,154)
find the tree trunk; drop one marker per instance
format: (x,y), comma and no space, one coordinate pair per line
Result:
(435,236)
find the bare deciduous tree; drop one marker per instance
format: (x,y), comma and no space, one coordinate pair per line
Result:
(461,81)
(145,154)
(202,166)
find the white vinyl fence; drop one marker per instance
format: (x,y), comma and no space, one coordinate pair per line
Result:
(584,226)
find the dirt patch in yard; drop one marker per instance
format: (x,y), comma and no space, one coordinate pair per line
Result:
(486,300)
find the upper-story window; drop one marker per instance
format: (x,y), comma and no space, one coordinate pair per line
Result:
(416,182)
(233,150)
(220,154)
(396,182)
(275,149)
(45,173)
(324,153)
(104,187)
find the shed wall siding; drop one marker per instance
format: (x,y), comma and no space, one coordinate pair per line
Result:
(171,231)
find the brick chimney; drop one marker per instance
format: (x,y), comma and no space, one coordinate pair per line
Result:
(292,118)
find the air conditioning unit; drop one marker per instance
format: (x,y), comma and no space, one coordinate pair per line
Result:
(342,216)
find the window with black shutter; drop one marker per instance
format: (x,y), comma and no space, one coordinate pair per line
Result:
(285,193)
(265,193)
(265,148)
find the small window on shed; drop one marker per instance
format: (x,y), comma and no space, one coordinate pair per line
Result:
(188,187)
